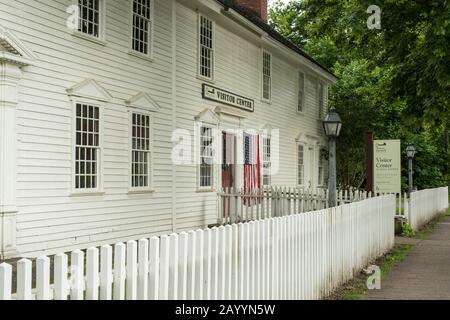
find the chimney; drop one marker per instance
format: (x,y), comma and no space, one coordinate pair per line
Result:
(259,7)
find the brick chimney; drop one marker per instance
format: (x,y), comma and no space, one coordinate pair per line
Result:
(259,7)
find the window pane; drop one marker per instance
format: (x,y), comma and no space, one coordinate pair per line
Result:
(87,146)
(300,161)
(301,88)
(206,157)
(141,26)
(206,52)
(140,154)
(89,20)
(267,75)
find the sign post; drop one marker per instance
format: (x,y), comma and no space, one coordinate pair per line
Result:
(387,166)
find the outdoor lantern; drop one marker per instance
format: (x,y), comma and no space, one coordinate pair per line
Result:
(410,151)
(332,124)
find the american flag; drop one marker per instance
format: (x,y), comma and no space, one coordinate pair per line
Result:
(252,168)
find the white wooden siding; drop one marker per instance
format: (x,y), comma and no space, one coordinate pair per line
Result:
(237,70)
(49,219)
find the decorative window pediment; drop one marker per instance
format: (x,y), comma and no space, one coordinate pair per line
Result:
(208,116)
(143,101)
(90,89)
(301,138)
(13,50)
(266,130)
(230,111)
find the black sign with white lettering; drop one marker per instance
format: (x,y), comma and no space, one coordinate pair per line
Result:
(226,97)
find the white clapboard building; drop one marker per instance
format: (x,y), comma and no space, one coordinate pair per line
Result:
(107,107)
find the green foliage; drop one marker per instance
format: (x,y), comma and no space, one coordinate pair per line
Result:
(394,81)
(408,231)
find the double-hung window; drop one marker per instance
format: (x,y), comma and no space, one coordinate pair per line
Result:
(301,92)
(323,172)
(206,48)
(140,151)
(206,158)
(300,164)
(266,161)
(142,27)
(90,20)
(87,148)
(266,76)
(321,99)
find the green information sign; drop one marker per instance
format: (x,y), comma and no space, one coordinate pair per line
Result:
(387,166)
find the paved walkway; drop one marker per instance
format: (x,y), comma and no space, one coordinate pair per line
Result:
(424,273)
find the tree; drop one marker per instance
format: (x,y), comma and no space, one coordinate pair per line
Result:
(394,81)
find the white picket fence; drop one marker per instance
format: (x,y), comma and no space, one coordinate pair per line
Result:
(424,205)
(301,256)
(239,205)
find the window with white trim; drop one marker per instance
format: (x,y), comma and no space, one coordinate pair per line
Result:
(142,27)
(87,148)
(323,172)
(206,157)
(301,92)
(90,18)
(266,75)
(267,164)
(206,47)
(300,164)
(140,151)
(321,99)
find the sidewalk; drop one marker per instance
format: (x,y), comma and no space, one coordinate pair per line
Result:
(424,273)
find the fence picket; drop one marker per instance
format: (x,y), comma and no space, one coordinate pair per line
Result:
(191,270)
(5,281)
(222,263)
(61,283)
(164,268)
(24,278)
(142,278)
(173,267)
(214,263)
(153,287)
(106,276)
(182,265)
(92,274)
(119,271)
(77,275)
(42,278)
(131,270)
